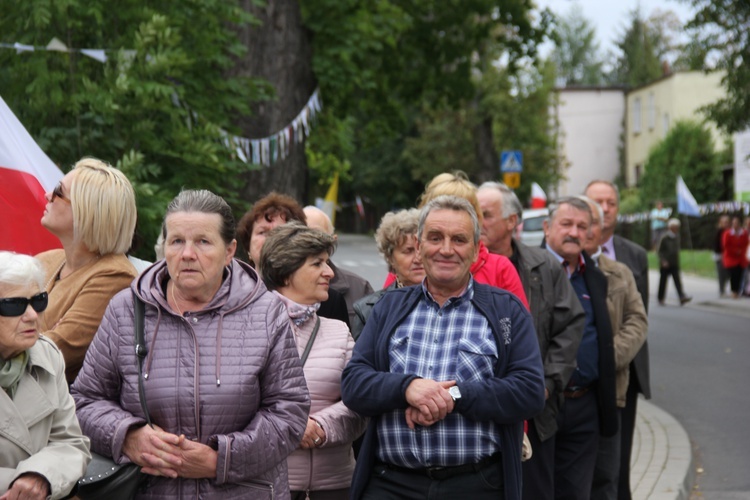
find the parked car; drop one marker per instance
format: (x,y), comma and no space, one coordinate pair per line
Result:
(530,230)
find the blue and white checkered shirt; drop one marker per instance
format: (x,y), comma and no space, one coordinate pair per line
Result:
(453,342)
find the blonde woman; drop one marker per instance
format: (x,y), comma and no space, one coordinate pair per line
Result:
(92,211)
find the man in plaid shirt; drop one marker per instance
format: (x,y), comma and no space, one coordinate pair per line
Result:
(448,371)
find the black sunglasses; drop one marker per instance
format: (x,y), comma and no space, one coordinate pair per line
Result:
(16,306)
(57,193)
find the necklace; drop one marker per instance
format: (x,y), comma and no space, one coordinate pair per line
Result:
(55,276)
(174,299)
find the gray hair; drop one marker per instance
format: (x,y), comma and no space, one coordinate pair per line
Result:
(394,228)
(594,204)
(510,202)
(18,269)
(675,222)
(446,202)
(287,248)
(205,202)
(608,183)
(573,201)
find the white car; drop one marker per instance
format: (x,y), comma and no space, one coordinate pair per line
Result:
(530,230)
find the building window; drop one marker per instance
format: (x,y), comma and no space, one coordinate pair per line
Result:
(637,175)
(637,115)
(665,123)
(651,112)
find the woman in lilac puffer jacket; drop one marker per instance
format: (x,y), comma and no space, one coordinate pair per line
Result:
(223,382)
(294,264)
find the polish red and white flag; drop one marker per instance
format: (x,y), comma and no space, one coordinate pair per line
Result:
(26,173)
(538,197)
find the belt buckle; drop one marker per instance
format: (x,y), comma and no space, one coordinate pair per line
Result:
(435,473)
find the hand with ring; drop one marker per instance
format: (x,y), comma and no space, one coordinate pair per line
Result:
(314,436)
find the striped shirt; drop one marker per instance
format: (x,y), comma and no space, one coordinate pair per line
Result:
(453,342)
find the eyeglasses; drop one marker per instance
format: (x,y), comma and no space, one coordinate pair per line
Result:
(16,306)
(57,193)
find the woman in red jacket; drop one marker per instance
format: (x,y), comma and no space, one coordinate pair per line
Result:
(735,241)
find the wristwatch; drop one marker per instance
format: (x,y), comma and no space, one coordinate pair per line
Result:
(455,393)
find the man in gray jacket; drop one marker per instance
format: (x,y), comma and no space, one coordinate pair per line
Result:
(558,319)
(351,285)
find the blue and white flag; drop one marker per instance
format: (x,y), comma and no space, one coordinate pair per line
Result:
(686,203)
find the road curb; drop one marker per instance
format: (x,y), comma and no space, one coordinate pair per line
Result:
(662,467)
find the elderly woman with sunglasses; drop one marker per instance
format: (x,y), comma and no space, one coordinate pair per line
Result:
(92,211)
(42,450)
(294,264)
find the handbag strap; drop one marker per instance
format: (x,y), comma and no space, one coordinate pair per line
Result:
(140,350)
(310,341)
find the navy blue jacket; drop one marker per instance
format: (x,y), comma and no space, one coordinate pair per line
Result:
(514,394)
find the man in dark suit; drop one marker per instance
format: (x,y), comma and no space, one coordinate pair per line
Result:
(634,256)
(589,410)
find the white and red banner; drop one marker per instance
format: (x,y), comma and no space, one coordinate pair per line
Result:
(26,173)
(538,196)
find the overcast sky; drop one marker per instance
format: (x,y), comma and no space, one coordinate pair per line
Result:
(610,17)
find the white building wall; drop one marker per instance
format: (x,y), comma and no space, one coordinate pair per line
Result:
(590,126)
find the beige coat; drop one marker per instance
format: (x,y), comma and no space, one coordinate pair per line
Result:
(39,431)
(628,318)
(77,302)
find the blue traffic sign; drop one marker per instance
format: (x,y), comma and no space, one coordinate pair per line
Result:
(511,161)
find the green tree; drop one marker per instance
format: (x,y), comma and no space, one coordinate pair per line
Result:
(576,52)
(722,26)
(644,47)
(155,108)
(687,150)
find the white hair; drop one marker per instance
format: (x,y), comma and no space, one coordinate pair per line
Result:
(20,269)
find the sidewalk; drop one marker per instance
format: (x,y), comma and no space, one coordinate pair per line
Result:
(662,460)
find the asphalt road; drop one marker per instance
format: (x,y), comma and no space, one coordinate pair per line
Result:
(700,368)
(700,371)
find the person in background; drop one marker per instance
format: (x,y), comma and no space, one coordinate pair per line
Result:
(629,329)
(659,217)
(746,280)
(735,242)
(42,449)
(558,320)
(721,271)
(488,268)
(614,246)
(396,238)
(92,211)
(669,262)
(268,213)
(222,380)
(294,265)
(447,371)
(351,285)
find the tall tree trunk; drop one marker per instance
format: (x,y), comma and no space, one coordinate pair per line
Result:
(280,51)
(486,156)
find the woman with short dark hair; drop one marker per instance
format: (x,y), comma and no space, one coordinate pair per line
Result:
(294,264)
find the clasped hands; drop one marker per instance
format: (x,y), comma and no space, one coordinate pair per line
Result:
(429,401)
(161,453)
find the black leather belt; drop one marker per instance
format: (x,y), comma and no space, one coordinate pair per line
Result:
(440,473)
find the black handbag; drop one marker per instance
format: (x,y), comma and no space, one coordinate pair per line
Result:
(104,478)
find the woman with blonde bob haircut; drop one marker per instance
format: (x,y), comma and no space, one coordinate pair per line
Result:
(92,211)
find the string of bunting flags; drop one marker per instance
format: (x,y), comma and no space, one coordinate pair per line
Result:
(262,151)
(719,207)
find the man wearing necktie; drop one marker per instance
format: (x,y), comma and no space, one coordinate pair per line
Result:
(629,328)
(617,248)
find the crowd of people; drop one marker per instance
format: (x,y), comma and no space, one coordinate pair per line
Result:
(483,367)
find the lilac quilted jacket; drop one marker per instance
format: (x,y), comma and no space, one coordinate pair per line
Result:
(228,376)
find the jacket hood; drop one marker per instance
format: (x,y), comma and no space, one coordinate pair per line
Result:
(240,287)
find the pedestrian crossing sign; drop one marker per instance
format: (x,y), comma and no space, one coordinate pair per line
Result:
(511,161)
